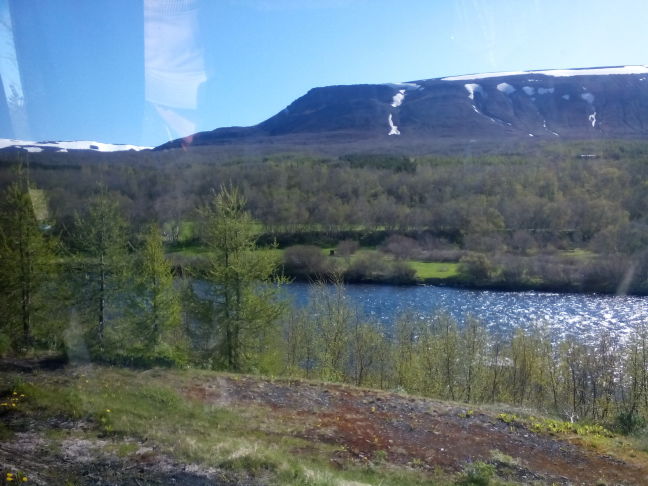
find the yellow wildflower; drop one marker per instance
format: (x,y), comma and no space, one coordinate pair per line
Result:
(24,479)
(107,410)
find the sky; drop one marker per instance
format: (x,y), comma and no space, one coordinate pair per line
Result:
(146,71)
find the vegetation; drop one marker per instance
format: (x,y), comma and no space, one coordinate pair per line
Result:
(88,273)
(27,267)
(244,310)
(525,211)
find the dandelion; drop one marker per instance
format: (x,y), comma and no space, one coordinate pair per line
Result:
(24,479)
(107,410)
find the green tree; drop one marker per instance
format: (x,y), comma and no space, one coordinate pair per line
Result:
(26,265)
(155,306)
(245,308)
(102,241)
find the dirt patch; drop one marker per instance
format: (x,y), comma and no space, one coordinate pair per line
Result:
(375,426)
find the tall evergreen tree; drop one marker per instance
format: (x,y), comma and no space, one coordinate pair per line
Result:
(155,305)
(245,307)
(26,265)
(102,241)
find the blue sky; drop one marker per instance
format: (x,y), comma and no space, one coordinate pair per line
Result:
(144,71)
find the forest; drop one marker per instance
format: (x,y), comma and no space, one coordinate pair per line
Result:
(564,217)
(90,272)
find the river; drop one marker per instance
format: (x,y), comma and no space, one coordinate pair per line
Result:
(582,315)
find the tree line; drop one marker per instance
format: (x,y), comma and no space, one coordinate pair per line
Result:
(518,209)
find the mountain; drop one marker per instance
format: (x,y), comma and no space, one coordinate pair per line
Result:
(604,102)
(7,144)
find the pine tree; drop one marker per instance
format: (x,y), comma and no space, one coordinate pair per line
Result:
(101,239)
(245,307)
(155,306)
(26,265)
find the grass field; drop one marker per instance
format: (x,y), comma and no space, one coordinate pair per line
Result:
(426,270)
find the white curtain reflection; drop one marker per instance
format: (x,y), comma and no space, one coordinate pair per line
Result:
(174,63)
(10,74)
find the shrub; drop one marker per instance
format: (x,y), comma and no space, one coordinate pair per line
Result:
(401,247)
(306,261)
(477,267)
(477,474)
(629,421)
(373,266)
(347,247)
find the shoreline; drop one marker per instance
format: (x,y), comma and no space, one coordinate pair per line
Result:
(463,285)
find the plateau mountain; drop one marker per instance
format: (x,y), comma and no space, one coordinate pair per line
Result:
(583,103)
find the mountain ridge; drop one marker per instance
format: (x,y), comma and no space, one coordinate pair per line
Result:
(603,102)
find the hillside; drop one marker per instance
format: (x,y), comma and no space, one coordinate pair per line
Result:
(419,116)
(96,425)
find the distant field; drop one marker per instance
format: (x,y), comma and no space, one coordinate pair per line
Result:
(424,270)
(579,253)
(434,269)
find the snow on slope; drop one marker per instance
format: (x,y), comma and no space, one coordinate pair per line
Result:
(393,129)
(398,98)
(556,73)
(506,88)
(473,88)
(65,146)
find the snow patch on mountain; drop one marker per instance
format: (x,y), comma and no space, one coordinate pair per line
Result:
(506,88)
(393,129)
(589,97)
(556,72)
(473,88)
(565,97)
(592,119)
(398,98)
(68,145)
(405,86)
(545,90)
(544,125)
(529,90)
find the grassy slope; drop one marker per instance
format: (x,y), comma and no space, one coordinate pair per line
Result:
(257,431)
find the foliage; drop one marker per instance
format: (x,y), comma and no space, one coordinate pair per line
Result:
(27,266)
(307,261)
(477,474)
(519,208)
(629,421)
(101,239)
(245,308)
(154,313)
